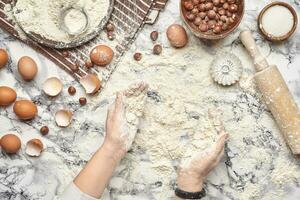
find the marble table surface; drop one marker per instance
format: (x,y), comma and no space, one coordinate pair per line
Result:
(241,175)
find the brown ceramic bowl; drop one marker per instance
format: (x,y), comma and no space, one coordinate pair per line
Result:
(281,38)
(212,36)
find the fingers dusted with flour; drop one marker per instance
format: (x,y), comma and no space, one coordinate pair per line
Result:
(194,170)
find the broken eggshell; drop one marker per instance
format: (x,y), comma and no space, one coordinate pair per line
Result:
(63,118)
(52,86)
(34,147)
(91,83)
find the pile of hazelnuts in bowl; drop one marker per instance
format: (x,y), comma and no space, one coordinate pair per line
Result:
(212,19)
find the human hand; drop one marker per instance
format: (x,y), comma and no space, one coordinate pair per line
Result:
(192,172)
(116,137)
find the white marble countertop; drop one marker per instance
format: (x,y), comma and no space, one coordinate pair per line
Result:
(242,174)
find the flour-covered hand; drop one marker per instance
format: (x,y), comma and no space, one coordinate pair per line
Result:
(192,172)
(116,135)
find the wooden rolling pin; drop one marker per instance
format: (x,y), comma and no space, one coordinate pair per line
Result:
(276,94)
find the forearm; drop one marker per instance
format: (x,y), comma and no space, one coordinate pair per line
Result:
(95,176)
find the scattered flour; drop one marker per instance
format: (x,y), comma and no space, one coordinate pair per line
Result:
(43,17)
(176,125)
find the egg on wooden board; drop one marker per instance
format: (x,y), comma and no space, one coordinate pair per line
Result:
(10,143)
(177,36)
(7,95)
(27,68)
(25,109)
(3,58)
(101,55)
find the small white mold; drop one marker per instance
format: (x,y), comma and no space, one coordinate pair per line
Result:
(226,69)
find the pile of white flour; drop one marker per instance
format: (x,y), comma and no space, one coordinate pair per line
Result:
(43,16)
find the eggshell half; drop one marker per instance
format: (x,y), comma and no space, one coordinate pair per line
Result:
(34,147)
(91,83)
(63,118)
(52,86)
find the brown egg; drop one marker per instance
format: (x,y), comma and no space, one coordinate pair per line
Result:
(101,55)
(25,109)
(10,143)
(7,96)
(27,68)
(177,36)
(3,58)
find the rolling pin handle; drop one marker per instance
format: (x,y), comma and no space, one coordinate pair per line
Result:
(248,41)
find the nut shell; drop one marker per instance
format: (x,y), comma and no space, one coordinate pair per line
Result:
(101,55)
(25,109)
(177,36)
(7,95)
(10,143)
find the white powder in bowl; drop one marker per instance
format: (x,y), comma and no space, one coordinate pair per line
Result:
(277,21)
(43,16)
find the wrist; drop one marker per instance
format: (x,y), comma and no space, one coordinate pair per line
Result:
(189,182)
(113,151)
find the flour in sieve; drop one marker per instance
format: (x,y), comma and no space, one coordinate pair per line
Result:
(43,17)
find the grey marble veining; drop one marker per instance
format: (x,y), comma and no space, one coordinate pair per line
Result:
(67,150)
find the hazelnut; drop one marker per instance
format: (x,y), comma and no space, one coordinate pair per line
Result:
(157,49)
(225,27)
(188,5)
(66,53)
(211,14)
(202,7)
(44,130)
(89,64)
(189,16)
(82,101)
(195,2)
(197,21)
(154,35)
(202,15)
(223,18)
(211,24)
(209,6)
(203,27)
(110,27)
(137,56)
(233,8)
(195,11)
(231,1)
(222,11)
(222,1)
(217,29)
(230,20)
(71,90)
(229,14)
(225,6)
(110,35)
(216,2)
